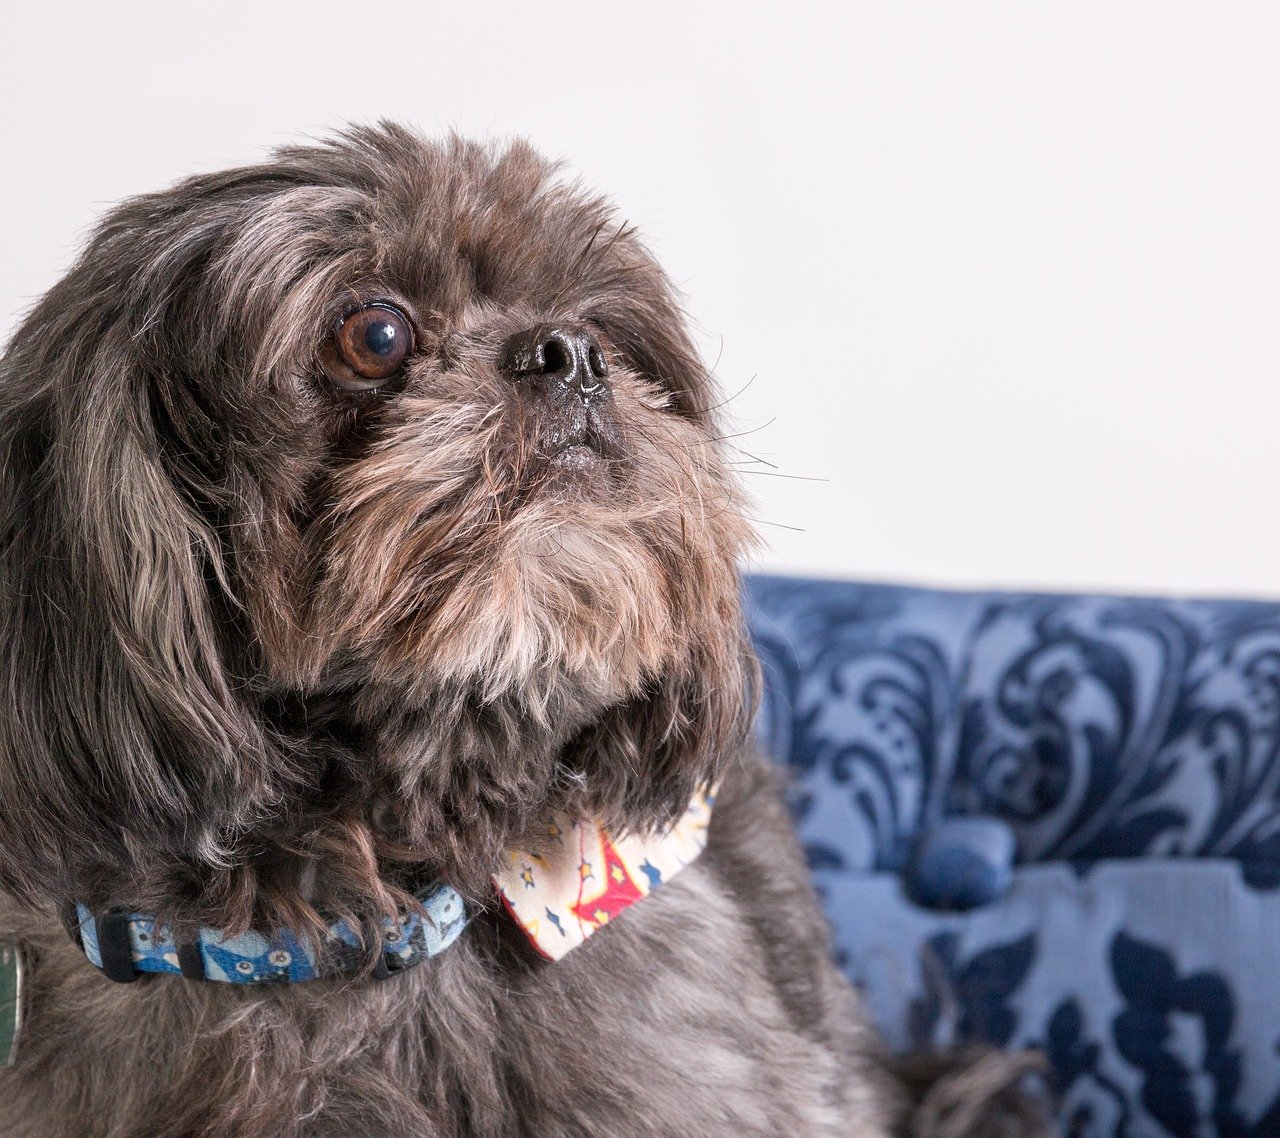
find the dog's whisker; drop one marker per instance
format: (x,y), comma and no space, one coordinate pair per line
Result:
(754,457)
(725,402)
(743,434)
(791,477)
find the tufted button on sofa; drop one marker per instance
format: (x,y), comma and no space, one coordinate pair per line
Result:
(961,863)
(1047,821)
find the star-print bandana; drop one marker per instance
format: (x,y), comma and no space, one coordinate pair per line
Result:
(585,878)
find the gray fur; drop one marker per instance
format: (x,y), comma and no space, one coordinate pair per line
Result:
(275,652)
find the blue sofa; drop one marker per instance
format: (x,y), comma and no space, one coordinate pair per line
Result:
(1047,821)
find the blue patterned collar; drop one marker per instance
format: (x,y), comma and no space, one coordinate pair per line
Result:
(125,945)
(578,880)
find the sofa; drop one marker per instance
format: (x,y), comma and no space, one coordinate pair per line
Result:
(1047,821)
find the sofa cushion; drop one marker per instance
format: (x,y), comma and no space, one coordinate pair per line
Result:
(1095,727)
(1047,820)
(1148,984)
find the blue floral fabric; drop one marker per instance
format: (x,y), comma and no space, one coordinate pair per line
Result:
(1048,821)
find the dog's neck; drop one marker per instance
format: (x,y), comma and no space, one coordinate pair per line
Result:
(407,794)
(382,796)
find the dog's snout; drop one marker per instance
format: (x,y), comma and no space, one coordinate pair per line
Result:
(570,357)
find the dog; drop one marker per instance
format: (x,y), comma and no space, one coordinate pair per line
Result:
(371,618)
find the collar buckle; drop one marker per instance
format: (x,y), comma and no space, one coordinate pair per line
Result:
(13,977)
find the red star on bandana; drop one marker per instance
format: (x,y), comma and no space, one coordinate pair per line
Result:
(620,890)
(583,880)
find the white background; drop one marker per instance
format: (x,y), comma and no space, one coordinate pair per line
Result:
(1007,276)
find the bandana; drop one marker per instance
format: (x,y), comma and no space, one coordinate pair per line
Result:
(579,880)
(584,879)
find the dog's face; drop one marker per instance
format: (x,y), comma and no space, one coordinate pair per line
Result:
(361,497)
(479,432)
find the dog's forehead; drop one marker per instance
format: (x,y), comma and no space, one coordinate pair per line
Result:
(451,222)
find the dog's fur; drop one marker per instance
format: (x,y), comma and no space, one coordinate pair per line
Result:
(275,652)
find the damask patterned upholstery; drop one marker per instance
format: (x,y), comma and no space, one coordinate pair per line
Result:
(1048,821)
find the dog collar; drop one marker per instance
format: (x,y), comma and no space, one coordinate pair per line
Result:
(579,880)
(11,1000)
(125,945)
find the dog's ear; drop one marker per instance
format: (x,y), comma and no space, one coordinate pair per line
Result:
(122,741)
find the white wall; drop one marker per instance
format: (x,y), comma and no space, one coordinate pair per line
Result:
(1006,275)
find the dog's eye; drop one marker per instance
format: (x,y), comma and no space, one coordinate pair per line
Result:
(367,348)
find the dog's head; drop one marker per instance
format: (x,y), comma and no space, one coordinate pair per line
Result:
(364,504)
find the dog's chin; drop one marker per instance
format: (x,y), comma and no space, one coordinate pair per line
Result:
(579,462)
(563,608)
(572,607)
(578,476)
(584,456)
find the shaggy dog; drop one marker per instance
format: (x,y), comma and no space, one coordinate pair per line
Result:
(362,512)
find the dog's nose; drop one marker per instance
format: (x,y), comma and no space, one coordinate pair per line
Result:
(566,356)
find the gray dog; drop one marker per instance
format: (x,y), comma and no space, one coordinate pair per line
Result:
(371,641)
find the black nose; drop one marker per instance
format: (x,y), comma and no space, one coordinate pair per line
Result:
(566,356)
